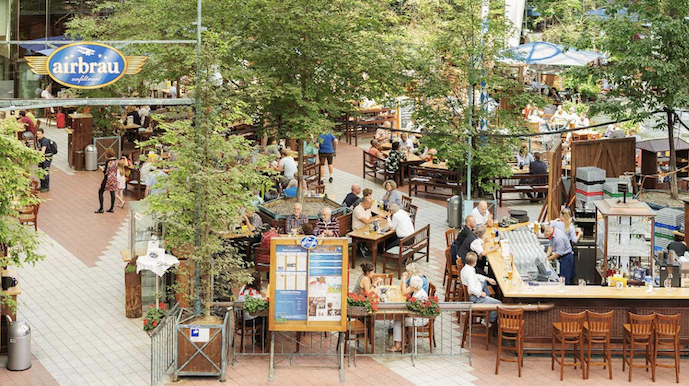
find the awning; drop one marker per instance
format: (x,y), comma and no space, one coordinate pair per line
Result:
(661,145)
(544,53)
(42,47)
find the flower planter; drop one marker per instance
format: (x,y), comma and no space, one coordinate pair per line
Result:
(191,340)
(356,311)
(132,289)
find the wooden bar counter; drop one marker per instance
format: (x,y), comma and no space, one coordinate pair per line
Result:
(538,326)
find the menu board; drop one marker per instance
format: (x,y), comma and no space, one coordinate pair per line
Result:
(308,288)
(406,109)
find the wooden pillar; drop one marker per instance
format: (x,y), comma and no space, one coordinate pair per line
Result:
(686,216)
(184,279)
(132,288)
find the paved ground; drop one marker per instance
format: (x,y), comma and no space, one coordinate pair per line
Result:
(74,301)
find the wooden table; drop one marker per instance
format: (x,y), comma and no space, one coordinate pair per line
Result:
(394,294)
(412,159)
(365,235)
(431,165)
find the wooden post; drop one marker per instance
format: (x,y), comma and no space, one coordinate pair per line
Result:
(132,288)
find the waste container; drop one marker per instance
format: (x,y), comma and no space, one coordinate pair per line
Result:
(454,211)
(19,346)
(90,158)
(79,160)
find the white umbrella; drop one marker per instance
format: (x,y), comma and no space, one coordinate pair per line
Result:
(158,262)
(544,53)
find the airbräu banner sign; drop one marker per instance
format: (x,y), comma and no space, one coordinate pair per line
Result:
(86,65)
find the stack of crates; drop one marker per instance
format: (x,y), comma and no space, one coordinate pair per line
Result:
(589,187)
(610,188)
(667,221)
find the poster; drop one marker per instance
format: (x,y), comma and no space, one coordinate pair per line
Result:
(290,283)
(325,283)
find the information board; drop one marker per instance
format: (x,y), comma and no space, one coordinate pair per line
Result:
(308,286)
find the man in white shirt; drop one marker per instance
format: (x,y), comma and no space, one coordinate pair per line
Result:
(477,285)
(361,217)
(482,214)
(406,143)
(287,165)
(45,94)
(401,223)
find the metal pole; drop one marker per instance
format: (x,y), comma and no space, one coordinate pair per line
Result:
(271,370)
(341,336)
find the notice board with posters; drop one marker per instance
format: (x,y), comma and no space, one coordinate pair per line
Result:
(308,284)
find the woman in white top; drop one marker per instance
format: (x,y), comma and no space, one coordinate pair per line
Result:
(253,290)
(417,285)
(565,224)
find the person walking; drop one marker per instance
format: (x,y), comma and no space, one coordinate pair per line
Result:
(109,182)
(48,148)
(327,146)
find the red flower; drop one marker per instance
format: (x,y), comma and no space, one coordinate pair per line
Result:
(413,299)
(408,296)
(268,299)
(161,305)
(155,323)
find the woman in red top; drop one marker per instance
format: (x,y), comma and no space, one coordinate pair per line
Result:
(109,180)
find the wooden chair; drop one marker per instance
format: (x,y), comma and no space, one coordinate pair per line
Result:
(424,331)
(638,332)
(451,278)
(319,189)
(413,210)
(33,187)
(450,236)
(261,258)
(251,328)
(511,327)
(666,337)
(597,331)
(357,330)
(418,241)
(569,330)
(387,278)
(30,215)
(406,201)
(475,321)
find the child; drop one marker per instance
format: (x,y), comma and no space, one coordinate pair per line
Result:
(121,181)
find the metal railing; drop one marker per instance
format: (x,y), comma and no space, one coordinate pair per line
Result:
(162,345)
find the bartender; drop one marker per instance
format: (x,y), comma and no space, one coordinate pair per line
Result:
(560,248)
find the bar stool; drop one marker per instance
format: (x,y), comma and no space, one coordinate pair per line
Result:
(667,337)
(638,332)
(569,330)
(512,324)
(597,331)
(475,321)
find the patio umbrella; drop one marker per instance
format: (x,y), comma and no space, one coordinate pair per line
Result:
(544,53)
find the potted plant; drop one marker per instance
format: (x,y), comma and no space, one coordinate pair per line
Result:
(154,316)
(428,308)
(256,306)
(361,303)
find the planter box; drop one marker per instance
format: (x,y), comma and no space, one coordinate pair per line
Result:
(191,340)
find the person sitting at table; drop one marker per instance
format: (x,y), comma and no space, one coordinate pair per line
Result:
(412,269)
(482,214)
(524,157)
(361,217)
(264,258)
(417,287)
(476,244)
(374,150)
(392,195)
(428,154)
(311,149)
(582,120)
(400,222)
(560,248)
(383,133)
(406,143)
(294,221)
(352,197)
(565,224)
(272,148)
(368,192)
(365,283)
(291,190)
(287,164)
(555,96)
(307,229)
(573,114)
(538,167)
(251,219)
(393,163)
(327,225)
(29,127)
(477,284)
(253,290)
(469,226)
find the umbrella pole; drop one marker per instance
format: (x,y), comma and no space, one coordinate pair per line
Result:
(157,296)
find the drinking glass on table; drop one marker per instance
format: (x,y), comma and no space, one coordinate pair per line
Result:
(561,281)
(582,285)
(668,284)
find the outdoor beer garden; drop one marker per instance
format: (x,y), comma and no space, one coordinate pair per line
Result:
(450,192)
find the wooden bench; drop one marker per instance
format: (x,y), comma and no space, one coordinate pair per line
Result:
(375,165)
(523,183)
(409,246)
(312,174)
(439,180)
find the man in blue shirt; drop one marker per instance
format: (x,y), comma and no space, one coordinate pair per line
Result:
(327,145)
(560,248)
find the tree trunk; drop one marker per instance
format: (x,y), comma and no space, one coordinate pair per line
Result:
(300,171)
(673,157)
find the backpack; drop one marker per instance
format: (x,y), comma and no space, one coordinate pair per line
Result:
(52,149)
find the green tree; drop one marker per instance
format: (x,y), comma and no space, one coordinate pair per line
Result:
(308,59)
(648,63)
(18,244)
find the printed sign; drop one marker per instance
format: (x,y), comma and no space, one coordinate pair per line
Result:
(309,242)
(199,335)
(86,65)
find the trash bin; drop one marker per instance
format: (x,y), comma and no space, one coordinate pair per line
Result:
(454,211)
(19,346)
(90,158)
(79,160)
